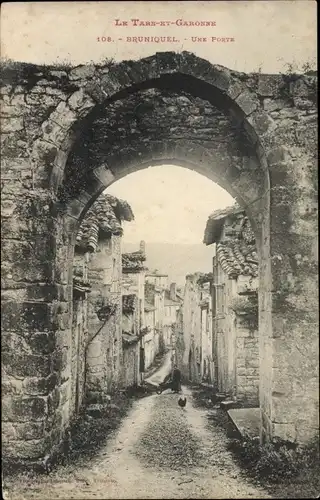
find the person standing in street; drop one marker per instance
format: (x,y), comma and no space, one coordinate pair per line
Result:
(176,379)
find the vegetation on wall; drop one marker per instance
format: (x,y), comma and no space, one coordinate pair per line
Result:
(280,463)
(246,306)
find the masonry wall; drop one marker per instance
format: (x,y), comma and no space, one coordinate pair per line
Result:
(236,340)
(247,365)
(45,192)
(151,340)
(225,331)
(104,351)
(191,330)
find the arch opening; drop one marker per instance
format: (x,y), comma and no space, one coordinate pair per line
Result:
(175,119)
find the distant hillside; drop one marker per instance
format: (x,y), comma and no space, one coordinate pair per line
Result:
(175,260)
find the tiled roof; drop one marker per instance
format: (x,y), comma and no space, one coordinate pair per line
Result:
(238,255)
(133,261)
(215,223)
(236,258)
(102,219)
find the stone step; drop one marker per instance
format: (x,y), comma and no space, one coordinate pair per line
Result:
(246,421)
(228,405)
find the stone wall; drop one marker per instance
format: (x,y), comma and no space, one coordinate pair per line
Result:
(191,314)
(130,368)
(236,344)
(247,366)
(76,392)
(151,340)
(59,151)
(104,351)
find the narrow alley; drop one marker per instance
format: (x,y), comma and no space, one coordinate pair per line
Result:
(160,451)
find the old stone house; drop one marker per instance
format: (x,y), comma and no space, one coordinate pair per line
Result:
(195,329)
(133,324)
(206,361)
(235,305)
(158,279)
(130,340)
(151,339)
(172,302)
(166,300)
(155,296)
(96,354)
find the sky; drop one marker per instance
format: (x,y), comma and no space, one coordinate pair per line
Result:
(171,204)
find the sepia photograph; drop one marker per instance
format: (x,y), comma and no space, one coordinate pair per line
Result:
(159,242)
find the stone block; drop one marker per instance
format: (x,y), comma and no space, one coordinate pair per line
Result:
(11,386)
(64,392)
(12,124)
(19,409)
(253,363)
(8,431)
(95,350)
(82,72)
(228,405)
(32,449)
(273,104)
(53,401)
(26,316)
(269,85)
(63,116)
(40,386)
(248,102)
(42,343)
(241,371)
(29,430)
(246,420)
(26,365)
(284,431)
(278,155)
(60,360)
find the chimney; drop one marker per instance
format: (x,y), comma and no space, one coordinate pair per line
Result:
(173,295)
(143,247)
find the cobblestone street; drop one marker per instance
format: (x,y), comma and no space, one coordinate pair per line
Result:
(160,451)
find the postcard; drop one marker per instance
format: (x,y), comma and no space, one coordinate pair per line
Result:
(159,227)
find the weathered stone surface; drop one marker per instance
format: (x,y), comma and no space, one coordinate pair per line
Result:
(29,430)
(12,124)
(248,102)
(40,386)
(42,151)
(26,316)
(24,409)
(27,365)
(27,449)
(269,85)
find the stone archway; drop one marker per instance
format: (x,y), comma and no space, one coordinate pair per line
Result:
(269,114)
